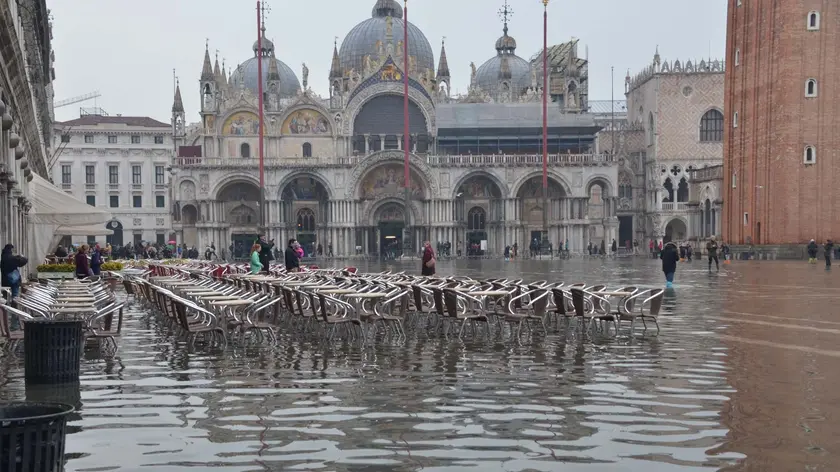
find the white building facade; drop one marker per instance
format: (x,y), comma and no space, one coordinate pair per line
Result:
(119,164)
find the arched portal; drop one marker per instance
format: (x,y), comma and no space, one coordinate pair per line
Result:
(391,218)
(305,206)
(240,203)
(675,231)
(388,181)
(115,239)
(189,217)
(532,212)
(478,202)
(379,125)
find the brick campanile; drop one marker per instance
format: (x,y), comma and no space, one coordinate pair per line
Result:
(782,122)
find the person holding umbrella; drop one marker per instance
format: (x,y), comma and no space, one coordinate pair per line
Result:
(266,249)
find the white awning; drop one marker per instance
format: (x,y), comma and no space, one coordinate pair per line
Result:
(51,205)
(55,214)
(90,230)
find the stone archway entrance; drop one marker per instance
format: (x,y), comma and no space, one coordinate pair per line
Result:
(675,231)
(115,239)
(390,228)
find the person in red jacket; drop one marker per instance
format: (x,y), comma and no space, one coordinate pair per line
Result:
(82,264)
(428,266)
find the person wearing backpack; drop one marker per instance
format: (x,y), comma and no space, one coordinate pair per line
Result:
(10,264)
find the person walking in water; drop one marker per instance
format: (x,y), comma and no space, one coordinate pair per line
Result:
(712,249)
(669,257)
(812,252)
(428,267)
(828,248)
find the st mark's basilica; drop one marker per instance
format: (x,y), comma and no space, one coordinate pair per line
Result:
(334,166)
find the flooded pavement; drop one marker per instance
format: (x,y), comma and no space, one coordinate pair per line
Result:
(743,377)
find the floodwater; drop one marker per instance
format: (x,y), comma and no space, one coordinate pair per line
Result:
(743,377)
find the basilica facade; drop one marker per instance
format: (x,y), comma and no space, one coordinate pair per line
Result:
(334,166)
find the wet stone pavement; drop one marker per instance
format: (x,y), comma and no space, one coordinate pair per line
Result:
(743,377)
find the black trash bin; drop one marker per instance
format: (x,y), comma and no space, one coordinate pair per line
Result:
(32,436)
(52,351)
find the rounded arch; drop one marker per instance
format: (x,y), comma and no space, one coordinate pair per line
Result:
(116,236)
(377,159)
(527,179)
(237,189)
(304,188)
(306,222)
(186,190)
(189,215)
(378,116)
(307,119)
(476,219)
(373,212)
(605,183)
(354,107)
(675,229)
(293,176)
(470,178)
(230,178)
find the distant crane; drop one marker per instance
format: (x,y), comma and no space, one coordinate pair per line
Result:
(80,98)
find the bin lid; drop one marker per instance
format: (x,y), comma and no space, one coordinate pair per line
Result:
(32,411)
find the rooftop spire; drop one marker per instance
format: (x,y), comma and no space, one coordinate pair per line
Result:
(207,68)
(443,65)
(217,71)
(506,12)
(335,68)
(178,104)
(506,44)
(224,73)
(273,72)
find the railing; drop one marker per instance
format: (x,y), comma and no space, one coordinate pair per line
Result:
(707,173)
(137,186)
(113,186)
(528,160)
(90,186)
(66,185)
(469,160)
(671,206)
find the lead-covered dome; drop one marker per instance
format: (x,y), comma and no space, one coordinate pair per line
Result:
(368,36)
(247,72)
(505,66)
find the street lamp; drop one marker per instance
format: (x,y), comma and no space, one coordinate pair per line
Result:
(545,121)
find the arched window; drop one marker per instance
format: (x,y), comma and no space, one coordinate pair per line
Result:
(245,150)
(682,191)
(737,57)
(813,21)
(711,127)
(306,221)
(811,88)
(651,130)
(810,155)
(476,219)
(669,187)
(307,150)
(625,187)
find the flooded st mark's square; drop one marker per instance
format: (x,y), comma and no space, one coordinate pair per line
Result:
(742,377)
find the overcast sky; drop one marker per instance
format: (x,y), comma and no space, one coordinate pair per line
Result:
(127,49)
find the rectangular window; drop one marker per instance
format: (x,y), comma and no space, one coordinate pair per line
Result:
(65,174)
(138,239)
(159,175)
(90,175)
(734,180)
(88,139)
(160,201)
(91,241)
(136,175)
(746,219)
(135,140)
(114,175)
(65,138)
(158,139)
(114,201)
(137,201)
(91,200)
(112,139)
(160,238)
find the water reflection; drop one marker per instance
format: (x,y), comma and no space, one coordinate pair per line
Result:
(701,396)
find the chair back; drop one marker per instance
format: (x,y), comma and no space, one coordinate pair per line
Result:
(655,301)
(438,296)
(578,302)
(559,301)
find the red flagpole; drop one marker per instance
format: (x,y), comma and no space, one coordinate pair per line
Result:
(545,119)
(406,137)
(260,99)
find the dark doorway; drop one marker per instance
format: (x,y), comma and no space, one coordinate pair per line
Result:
(625,230)
(390,239)
(474,239)
(115,239)
(242,243)
(308,242)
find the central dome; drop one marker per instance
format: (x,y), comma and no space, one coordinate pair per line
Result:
(505,66)
(248,70)
(364,38)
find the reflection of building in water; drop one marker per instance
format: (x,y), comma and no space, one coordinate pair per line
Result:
(476,159)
